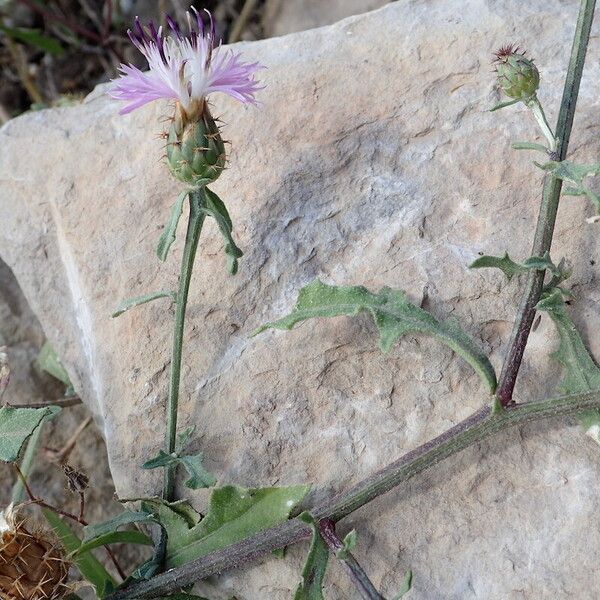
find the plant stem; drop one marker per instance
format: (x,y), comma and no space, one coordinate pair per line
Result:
(18,490)
(540,117)
(549,207)
(195,222)
(358,575)
(476,428)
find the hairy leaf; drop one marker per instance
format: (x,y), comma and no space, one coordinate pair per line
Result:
(17,426)
(88,565)
(193,464)
(581,374)
(575,174)
(133,302)
(313,573)
(394,317)
(167,237)
(216,208)
(234,513)
(511,268)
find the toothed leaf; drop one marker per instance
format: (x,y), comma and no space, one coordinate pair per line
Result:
(199,476)
(394,317)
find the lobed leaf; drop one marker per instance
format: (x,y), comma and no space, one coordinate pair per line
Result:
(17,425)
(315,567)
(133,302)
(581,373)
(511,268)
(394,317)
(193,464)
(167,237)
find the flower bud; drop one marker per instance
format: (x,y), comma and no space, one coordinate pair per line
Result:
(195,150)
(518,77)
(31,566)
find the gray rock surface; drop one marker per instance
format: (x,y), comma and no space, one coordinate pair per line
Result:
(373,160)
(285,16)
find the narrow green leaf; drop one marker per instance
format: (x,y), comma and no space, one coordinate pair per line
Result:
(529,146)
(234,513)
(50,362)
(89,567)
(167,237)
(581,374)
(193,464)
(216,208)
(394,317)
(115,537)
(17,426)
(91,532)
(313,573)
(575,174)
(504,105)
(34,38)
(406,585)
(133,302)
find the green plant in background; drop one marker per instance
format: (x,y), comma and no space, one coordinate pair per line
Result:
(243,524)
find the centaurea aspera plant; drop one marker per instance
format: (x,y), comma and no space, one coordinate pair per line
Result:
(186,68)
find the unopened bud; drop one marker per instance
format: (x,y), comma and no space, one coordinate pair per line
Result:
(195,150)
(518,76)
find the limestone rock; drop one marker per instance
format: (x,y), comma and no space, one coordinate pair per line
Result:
(374,160)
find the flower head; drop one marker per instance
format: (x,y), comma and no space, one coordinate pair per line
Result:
(185,68)
(518,76)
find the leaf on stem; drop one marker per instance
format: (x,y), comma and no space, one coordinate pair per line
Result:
(133,302)
(89,567)
(313,573)
(504,105)
(216,208)
(581,374)
(234,514)
(394,317)
(101,534)
(511,268)
(17,425)
(575,174)
(193,464)
(167,237)
(349,543)
(529,146)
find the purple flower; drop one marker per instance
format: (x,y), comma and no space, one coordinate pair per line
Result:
(185,68)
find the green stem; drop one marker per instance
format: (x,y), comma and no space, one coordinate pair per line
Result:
(476,428)
(195,222)
(548,209)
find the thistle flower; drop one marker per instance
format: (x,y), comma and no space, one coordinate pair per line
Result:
(31,566)
(518,76)
(187,68)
